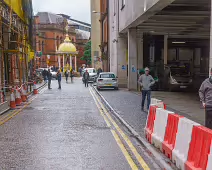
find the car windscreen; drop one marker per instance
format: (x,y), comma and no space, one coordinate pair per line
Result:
(91,70)
(107,76)
(179,71)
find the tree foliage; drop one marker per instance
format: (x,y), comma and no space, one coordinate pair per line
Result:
(87,53)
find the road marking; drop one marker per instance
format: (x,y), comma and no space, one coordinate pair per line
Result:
(124,151)
(101,112)
(15,112)
(127,140)
(116,137)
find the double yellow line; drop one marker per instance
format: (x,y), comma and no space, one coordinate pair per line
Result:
(109,120)
(10,115)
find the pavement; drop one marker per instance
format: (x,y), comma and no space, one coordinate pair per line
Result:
(71,129)
(185,104)
(5,106)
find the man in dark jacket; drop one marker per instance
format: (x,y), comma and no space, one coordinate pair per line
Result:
(49,76)
(59,78)
(86,77)
(205,94)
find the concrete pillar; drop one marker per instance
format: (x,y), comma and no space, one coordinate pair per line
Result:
(59,60)
(63,62)
(132,59)
(165,53)
(140,64)
(120,56)
(70,58)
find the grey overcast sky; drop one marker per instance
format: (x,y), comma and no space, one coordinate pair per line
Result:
(77,9)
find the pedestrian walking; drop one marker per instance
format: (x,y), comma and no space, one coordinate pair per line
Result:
(49,76)
(99,71)
(44,74)
(205,94)
(146,81)
(86,78)
(59,78)
(72,75)
(66,75)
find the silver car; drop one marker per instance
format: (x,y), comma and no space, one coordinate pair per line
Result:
(107,80)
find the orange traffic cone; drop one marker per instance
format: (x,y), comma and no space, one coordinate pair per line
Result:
(12,100)
(23,94)
(18,100)
(35,90)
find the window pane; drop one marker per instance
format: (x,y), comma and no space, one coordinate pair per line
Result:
(107,76)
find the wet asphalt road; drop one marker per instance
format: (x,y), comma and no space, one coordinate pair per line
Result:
(128,106)
(60,130)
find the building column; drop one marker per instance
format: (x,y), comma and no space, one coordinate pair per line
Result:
(140,64)
(63,62)
(120,57)
(59,64)
(75,63)
(132,59)
(70,58)
(165,53)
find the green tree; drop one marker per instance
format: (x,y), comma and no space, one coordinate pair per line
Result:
(87,53)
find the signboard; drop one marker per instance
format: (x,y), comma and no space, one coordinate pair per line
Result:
(123,67)
(133,69)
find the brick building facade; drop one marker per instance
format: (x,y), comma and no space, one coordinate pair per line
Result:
(50,33)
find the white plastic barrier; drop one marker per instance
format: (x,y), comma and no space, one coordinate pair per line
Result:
(183,139)
(160,127)
(209,166)
(155,101)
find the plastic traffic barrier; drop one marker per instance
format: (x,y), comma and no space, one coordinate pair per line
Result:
(12,100)
(199,148)
(18,99)
(183,138)
(160,127)
(170,135)
(209,166)
(35,90)
(150,123)
(23,94)
(155,101)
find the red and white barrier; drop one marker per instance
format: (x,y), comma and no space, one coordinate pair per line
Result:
(183,138)
(160,127)
(186,143)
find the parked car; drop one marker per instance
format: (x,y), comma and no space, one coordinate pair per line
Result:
(107,80)
(54,74)
(92,74)
(179,78)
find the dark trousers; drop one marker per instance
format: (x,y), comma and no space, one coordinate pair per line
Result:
(208,117)
(59,84)
(86,83)
(49,84)
(146,93)
(66,78)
